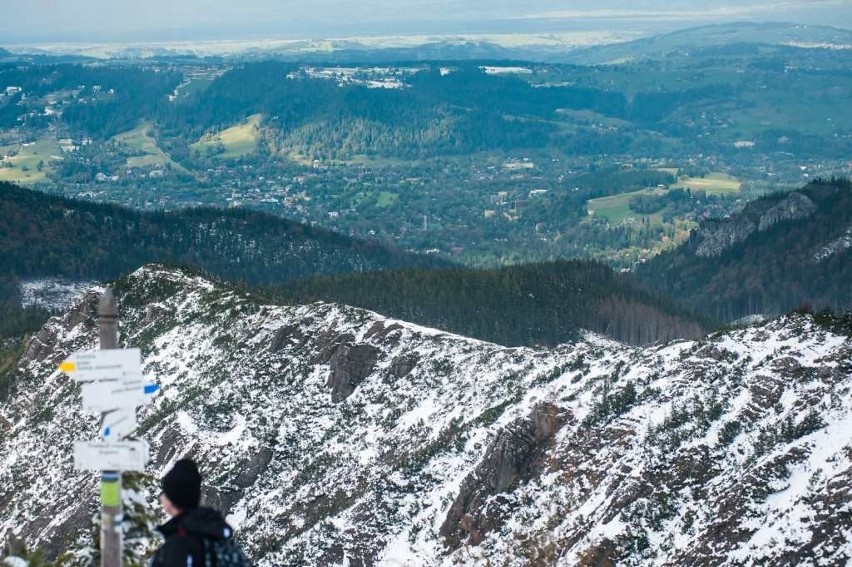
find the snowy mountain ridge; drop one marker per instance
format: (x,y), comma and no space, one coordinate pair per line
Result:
(334,436)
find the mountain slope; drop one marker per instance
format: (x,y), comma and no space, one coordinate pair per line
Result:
(693,41)
(43,235)
(333,436)
(783,251)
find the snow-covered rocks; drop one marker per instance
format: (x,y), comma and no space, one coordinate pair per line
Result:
(332,436)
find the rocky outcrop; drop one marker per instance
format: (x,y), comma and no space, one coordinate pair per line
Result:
(329,343)
(350,365)
(795,206)
(154,313)
(717,235)
(172,440)
(403,365)
(514,457)
(78,519)
(288,336)
(43,346)
(222,499)
(836,246)
(253,467)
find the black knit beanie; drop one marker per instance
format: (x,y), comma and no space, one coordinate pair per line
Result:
(182,485)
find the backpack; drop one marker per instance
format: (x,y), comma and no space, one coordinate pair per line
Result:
(214,552)
(224,552)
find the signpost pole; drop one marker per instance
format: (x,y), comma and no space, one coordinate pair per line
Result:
(111,513)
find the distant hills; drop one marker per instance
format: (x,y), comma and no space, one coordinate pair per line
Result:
(43,235)
(703,39)
(709,39)
(781,252)
(347,51)
(581,48)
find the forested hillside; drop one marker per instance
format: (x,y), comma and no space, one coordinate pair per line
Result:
(113,98)
(531,304)
(436,109)
(783,252)
(437,114)
(15,319)
(42,235)
(432,109)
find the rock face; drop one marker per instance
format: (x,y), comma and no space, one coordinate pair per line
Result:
(515,456)
(715,236)
(350,365)
(82,317)
(224,498)
(332,436)
(795,206)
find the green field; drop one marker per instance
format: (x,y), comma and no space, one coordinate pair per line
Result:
(140,140)
(195,86)
(237,141)
(616,208)
(386,199)
(715,183)
(23,167)
(591,117)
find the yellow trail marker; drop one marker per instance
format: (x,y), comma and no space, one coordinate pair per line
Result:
(67,366)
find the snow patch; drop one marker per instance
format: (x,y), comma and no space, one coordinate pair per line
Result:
(836,246)
(52,293)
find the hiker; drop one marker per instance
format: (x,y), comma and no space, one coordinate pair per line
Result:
(195,536)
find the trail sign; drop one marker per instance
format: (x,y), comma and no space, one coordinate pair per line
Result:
(111,509)
(112,384)
(110,456)
(107,396)
(123,365)
(118,424)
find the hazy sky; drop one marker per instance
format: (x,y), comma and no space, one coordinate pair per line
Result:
(154,20)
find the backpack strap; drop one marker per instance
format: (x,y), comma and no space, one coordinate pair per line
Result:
(195,555)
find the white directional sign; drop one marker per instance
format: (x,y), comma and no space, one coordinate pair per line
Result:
(110,456)
(123,365)
(111,384)
(105,396)
(118,424)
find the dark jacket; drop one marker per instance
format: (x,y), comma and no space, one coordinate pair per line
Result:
(184,534)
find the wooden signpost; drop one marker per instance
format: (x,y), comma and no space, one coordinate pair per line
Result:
(112,385)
